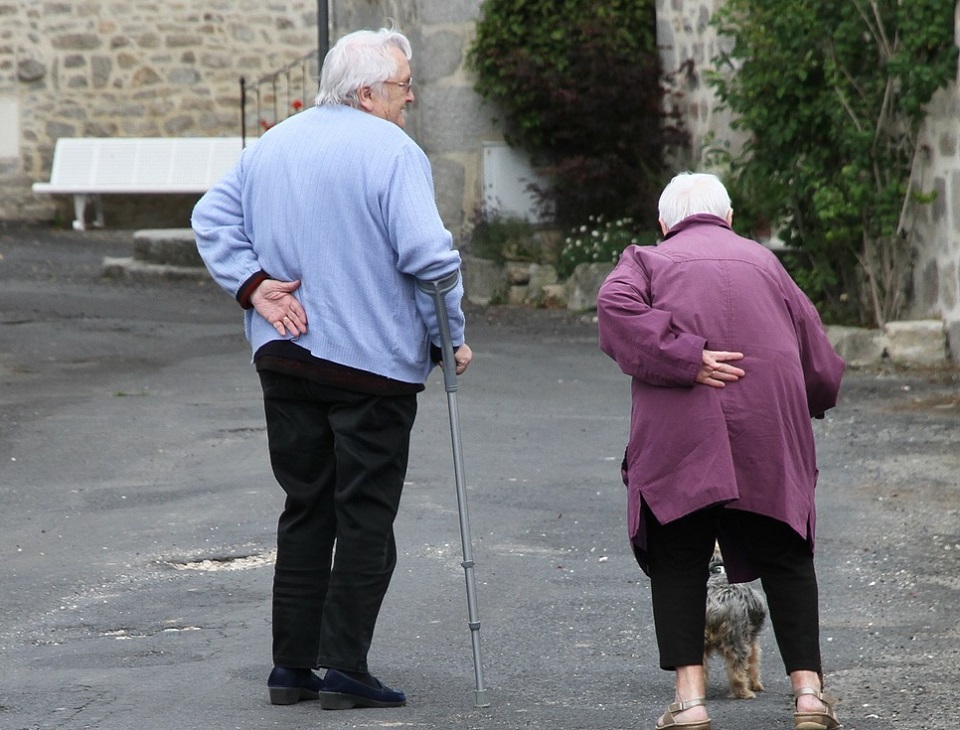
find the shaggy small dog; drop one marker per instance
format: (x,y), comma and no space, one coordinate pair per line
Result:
(735,615)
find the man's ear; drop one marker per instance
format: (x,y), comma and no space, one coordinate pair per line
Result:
(365,98)
(663,227)
(730,218)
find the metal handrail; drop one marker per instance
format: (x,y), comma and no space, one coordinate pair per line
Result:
(279,84)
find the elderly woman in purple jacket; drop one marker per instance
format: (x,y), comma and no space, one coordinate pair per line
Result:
(729,362)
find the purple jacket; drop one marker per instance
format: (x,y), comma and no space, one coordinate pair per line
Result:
(749,445)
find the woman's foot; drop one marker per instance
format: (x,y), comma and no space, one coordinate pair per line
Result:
(689,715)
(814,710)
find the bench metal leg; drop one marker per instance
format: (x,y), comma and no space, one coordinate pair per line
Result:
(97,211)
(80,211)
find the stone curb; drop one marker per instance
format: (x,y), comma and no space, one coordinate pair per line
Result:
(131,268)
(159,253)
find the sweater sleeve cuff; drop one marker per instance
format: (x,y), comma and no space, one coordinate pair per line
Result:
(249,287)
(436,353)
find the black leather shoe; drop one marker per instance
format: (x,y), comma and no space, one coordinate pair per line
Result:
(289,686)
(340,692)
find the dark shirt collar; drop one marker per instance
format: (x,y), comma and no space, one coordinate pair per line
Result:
(696,220)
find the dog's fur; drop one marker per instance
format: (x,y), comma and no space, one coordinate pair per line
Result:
(735,615)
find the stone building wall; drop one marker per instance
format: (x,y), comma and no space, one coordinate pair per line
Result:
(84,68)
(936,274)
(121,69)
(448,119)
(689,44)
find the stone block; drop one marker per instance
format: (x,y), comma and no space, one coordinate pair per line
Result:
(169,246)
(858,346)
(517,273)
(449,178)
(918,343)
(550,243)
(543,274)
(584,285)
(518,294)
(30,70)
(445,51)
(540,277)
(483,280)
(77,42)
(453,118)
(135,270)
(953,341)
(554,296)
(449,11)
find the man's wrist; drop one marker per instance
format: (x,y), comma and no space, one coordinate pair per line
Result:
(248,287)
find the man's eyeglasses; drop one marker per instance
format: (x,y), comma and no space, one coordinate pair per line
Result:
(406,86)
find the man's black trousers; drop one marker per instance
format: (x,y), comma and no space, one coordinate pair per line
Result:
(341,458)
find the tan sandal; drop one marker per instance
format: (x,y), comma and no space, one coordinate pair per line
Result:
(826,720)
(669,722)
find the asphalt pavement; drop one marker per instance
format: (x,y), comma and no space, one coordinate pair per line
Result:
(137,517)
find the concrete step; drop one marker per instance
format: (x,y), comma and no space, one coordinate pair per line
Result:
(169,253)
(170,246)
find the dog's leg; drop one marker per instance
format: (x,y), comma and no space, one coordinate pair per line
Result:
(737,676)
(753,667)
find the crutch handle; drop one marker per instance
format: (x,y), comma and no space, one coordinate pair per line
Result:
(437,289)
(439,286)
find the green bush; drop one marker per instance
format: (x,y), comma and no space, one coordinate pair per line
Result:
(599,241)
(833,95)
(579,85)
(500,238)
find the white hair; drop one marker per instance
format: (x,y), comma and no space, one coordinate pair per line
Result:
(690,193)
(359,59)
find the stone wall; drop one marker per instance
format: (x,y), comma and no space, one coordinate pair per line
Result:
(936,274)
(86,68)
(97,68)
(688,46)
(448,119)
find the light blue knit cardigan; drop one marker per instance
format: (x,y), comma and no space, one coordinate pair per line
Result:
(343,201)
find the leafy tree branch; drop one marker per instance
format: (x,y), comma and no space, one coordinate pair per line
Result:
(579,86)
(833,96)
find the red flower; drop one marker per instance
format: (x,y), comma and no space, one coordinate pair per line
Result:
(296,105)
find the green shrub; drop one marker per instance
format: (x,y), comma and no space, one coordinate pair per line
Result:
(599,241)
(579,85)
(500,238)
(832,95)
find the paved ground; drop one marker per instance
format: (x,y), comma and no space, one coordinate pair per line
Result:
(137,515)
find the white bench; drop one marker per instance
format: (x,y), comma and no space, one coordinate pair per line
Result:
(90,167)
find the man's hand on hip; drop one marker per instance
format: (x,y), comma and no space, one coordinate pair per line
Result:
(274,301)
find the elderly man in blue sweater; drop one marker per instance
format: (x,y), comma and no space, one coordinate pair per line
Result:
(321,233)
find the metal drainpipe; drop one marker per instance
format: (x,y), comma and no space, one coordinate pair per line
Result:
(323,32)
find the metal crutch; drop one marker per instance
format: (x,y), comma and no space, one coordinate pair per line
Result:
(436,290)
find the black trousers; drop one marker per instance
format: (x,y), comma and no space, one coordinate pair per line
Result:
(341,458)
(679,555)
